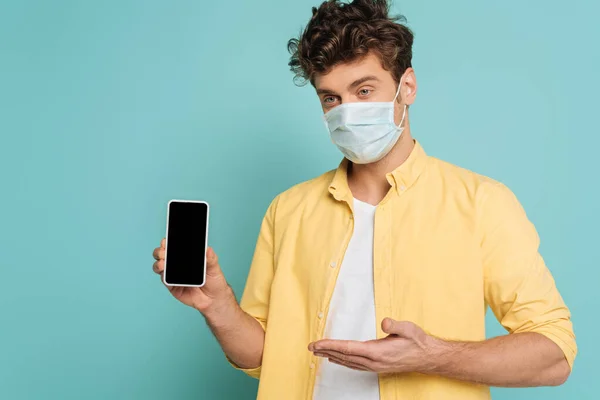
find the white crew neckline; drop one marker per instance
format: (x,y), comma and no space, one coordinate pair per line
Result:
(363,204)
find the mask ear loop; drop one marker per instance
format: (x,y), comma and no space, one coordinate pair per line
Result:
(398,91)
(402,120)
(403,112)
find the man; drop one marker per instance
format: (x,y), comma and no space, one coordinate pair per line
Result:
(371,281)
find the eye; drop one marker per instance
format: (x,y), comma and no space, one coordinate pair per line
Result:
(329,101)
(364,92)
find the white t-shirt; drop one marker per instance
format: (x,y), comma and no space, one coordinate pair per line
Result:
(352,314)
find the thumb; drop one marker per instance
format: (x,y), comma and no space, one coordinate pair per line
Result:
(393,327)
(389,326)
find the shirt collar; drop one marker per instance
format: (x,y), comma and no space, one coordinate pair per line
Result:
(400,179)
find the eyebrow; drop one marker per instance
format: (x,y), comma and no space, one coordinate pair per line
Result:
(354,84)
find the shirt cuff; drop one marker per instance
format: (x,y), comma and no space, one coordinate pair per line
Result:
(253,372)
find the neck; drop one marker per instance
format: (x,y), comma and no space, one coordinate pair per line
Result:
(368,182)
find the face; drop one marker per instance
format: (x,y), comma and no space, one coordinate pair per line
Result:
(364,80)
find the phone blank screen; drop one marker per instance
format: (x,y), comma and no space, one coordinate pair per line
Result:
(186,243)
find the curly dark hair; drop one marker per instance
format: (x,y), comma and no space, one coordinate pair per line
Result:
(344,32)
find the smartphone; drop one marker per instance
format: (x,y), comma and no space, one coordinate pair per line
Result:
(186,243)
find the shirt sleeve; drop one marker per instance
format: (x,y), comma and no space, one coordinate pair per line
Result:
(519,288)
(255,299)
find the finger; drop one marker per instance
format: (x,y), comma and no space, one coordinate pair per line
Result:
(163,243)
(356,360)
(159,253)
(159,266)
(212,261)
(348,347)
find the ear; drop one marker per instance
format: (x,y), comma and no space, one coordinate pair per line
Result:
(408,91)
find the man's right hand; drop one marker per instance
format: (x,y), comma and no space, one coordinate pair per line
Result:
(212,297)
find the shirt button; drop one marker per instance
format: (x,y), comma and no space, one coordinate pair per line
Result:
(332,265)
(312,365)
(320,315)
(402,187)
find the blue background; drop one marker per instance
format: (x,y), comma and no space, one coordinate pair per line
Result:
(108,109)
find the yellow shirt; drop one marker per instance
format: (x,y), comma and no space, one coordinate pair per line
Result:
(447,244)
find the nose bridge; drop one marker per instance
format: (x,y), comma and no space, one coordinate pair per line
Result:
(347,97)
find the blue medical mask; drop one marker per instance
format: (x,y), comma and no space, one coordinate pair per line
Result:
(364,131)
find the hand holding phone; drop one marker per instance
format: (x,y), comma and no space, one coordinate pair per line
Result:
(189,268)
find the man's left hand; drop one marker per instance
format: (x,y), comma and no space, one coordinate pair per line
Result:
(406,349)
